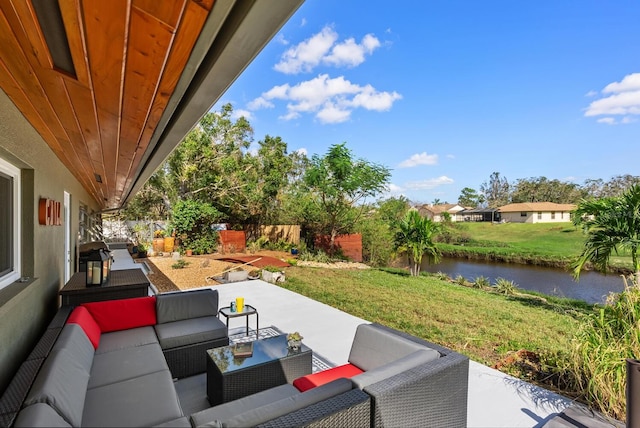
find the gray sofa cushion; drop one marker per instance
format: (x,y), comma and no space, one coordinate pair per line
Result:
(182,422)
(62,384)
(229,410)
(142,401)
(123,364)
(290,404)
(185,305)
(39,415)
(373,347)
(187,332)
(395,367)
(125,339)
(75,341)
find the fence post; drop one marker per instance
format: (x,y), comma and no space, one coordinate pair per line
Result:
(633,393)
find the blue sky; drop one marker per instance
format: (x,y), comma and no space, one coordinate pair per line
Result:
(446,92)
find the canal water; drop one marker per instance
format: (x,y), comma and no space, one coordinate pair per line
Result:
(593,287)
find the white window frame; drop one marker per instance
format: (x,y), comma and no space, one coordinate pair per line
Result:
(13,172)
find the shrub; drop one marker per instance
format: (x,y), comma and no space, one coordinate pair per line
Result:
(320,256)
(443,276)
(180,264)
(192,220)
(481,282)
(505,286)
(603,343)
(460,280)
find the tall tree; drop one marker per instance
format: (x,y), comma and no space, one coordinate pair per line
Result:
(612,225)
(470,198)
(337,182)
(541,189)
(496,190)
(415,238)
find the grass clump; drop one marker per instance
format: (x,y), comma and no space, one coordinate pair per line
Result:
(505,286)
(180,264)
(597,363)
(481,282)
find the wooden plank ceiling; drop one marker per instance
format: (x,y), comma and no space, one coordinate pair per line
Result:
(128,56)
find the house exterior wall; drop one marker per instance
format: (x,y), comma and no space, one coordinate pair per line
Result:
(26,308)
(532,217)
(516,217)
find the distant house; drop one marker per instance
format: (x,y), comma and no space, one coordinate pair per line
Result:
(536,212)
(480,214)
(435,212)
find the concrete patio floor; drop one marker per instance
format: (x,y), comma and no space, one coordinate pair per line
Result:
(495,399)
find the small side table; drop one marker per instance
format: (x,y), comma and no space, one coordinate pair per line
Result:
(248,310)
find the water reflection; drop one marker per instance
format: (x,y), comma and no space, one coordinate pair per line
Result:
(592,288)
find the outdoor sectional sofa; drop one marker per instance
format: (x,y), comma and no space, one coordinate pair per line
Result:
(109,365)
(113,363)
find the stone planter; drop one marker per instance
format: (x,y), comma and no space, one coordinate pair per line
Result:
(272,277)
(235,276)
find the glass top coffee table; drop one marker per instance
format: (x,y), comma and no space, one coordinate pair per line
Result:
(271,364)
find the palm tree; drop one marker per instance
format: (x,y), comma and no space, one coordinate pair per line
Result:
(415,238)
(612,225)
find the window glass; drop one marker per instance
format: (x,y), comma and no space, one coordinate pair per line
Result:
(9,223)
(6,222)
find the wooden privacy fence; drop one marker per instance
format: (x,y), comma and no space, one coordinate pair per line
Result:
(285,232)
(350,245)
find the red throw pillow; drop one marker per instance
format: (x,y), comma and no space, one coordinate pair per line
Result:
(307,382)
(83,318)
(116,315)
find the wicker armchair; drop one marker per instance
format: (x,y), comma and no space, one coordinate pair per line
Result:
(433,394)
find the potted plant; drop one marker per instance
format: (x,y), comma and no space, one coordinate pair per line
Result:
(158,241)
(142,250)
(294,341)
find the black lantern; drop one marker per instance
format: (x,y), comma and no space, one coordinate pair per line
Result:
(98,268)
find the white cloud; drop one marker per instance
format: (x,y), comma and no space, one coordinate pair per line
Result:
(308,53)
(302,151)
(331,100)
(395,189)
(591,94)
(259,103)
(612,121)
(419,159)
(430,183)
(621,99)
(351,54)
(237,114)
(630,83)
(280,39)
(321,48)
(451,157)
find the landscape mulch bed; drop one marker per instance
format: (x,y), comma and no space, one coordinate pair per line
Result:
(200,269)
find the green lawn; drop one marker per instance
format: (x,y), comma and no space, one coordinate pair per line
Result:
(528,243)
(480,324)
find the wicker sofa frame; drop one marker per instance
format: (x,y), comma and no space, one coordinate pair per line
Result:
(433,394)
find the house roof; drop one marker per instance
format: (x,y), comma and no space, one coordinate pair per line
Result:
(112,86)
(440,208)
(536,206)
